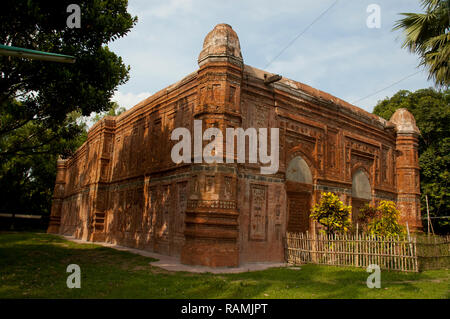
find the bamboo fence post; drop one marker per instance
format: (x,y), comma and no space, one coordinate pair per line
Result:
(354,249)
(361,250)
(388,252)
(377,251)
(416,262)
(409,241)
(378,242)
(357,250)
(394,259)
(296,241)
(339,248)
(402,254)
(305,252)
(428,215)
(289,245)
(396,253)
(333,244)
(368,251)
(374,250)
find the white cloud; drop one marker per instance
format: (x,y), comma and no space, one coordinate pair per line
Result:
(338,54)
(128,100)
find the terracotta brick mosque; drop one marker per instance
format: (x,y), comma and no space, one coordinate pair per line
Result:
(122,186)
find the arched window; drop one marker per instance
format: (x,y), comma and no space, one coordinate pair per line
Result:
(298,171)
(298,195)
(361,193)
(361,185)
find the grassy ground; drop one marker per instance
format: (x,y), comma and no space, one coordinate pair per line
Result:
(34,265)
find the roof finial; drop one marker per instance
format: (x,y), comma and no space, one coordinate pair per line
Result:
(221,43)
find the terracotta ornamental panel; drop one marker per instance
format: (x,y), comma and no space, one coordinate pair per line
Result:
(122,185)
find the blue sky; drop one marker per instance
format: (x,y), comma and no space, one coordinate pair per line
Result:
(339,54)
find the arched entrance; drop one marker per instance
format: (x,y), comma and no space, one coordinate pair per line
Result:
(299,190)
(361,193)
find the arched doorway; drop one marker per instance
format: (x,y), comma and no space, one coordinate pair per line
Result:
(361,193)
(299,190)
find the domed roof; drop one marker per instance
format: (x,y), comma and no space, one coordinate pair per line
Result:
(404,121)
(221,42)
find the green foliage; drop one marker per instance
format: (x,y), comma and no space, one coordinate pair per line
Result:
(114,110)
(427,34)
(42,103)
(27,180)
(44,92)
(431,110)
(34,266)
(367,213)
(332,213)
(383,221)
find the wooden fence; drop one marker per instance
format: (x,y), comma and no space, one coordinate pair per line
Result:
(360,250)
(433,252)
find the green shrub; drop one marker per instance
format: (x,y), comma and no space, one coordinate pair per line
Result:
(332,213)
(383,220)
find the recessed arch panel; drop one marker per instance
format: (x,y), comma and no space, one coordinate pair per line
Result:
(299,171)
(361,185)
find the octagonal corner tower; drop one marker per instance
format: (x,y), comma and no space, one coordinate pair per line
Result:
(407,168)
(123,187)
(212,232)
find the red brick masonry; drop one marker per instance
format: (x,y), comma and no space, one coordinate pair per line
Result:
(122,187)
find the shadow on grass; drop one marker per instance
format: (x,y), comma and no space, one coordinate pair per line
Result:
(34,266)
(329,282)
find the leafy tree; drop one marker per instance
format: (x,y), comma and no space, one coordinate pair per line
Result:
(383,221)
(431,110)
(27,180)
(43,104)
(332,213)
(44,93)
(114,110)
(427,34)
(366,214)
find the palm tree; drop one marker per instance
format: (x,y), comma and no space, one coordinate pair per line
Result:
(427,34)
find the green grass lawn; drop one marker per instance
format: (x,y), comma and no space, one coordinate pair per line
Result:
(33,265)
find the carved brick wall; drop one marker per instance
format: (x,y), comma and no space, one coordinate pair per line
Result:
(122,187)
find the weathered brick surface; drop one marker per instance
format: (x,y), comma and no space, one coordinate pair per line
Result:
(122,187)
